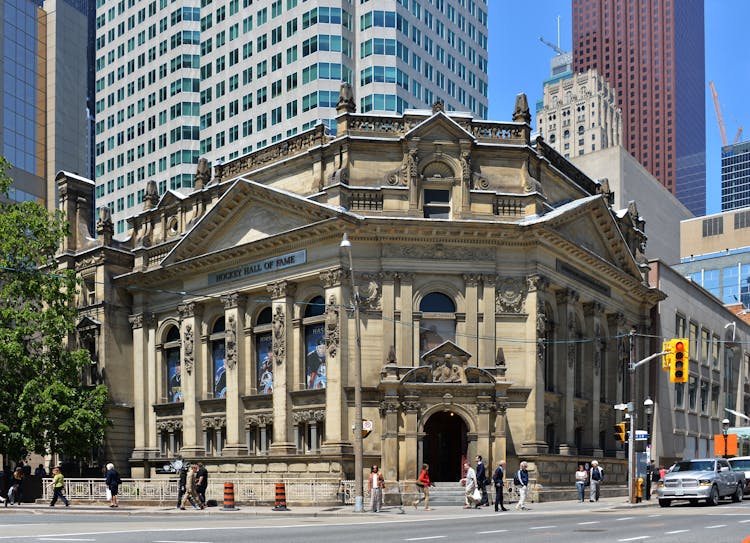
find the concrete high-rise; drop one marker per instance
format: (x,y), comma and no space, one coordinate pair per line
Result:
(735,176)
(652,53)
(222,79)
(43,46)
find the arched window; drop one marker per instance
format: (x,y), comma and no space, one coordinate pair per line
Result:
(315,343)
(580,129)
(566,134)
(264,351)
(173,366)
(218,359)
(552,138)
(438,323)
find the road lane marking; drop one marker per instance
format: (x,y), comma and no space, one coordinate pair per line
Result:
(716,526)
(676,532)
(589,522)
(424,538)
(178,541)
(743,521)
(491,532)
(653,516)
(541,527)
(62,539)
(635,538)
(625,518)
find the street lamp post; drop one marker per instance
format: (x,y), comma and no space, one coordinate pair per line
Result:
(357,371)
(724,430)
(648,405)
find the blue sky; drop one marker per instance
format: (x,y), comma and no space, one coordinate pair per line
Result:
(519,62)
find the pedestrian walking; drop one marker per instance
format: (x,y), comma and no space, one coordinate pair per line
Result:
(58,487)
(596,476)
(581,480)
(376,483)
(191,495)
(15,486)
(482,480)
(181,486)
(498,479)
(423,488)
(113,481)
(201,483)
(521,481)
(472,495)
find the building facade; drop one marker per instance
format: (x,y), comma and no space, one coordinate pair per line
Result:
(688,415)
(497,290)
(735,176)
(219,81)
(652,54)
(579,115)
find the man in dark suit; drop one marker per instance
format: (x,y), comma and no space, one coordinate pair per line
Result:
(498,479)
(482,480)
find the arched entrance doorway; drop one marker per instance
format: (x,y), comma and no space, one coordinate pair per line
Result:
(444,445)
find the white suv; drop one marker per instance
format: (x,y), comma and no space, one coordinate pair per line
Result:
(701,479)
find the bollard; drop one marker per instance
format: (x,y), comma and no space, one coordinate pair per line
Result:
(280,498)
(229,497)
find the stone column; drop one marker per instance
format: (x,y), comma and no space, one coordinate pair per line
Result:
(592,356)
(488,345)
(282,302)
(389,438)
(190,324)
(536,326)
(471,326)
(389,313)
(144,378)
(410,444)
(500,441)
(405,333)
(336,438)
(485,416)
(565,300)
(234,346)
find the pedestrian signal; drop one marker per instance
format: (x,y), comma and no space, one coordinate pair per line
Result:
(621,432)
(678,372)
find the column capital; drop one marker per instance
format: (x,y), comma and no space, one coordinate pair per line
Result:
(332,277)
(281,289)
(188,310)
(233,300)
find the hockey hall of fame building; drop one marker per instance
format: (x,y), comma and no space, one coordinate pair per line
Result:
(497,287)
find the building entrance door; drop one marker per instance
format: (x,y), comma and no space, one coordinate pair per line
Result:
(444,446)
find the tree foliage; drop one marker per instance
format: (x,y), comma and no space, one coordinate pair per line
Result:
(44,406)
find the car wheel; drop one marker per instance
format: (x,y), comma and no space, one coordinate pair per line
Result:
(713,498)
(737,496)
(665,503)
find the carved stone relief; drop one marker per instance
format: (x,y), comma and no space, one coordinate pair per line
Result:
(437,251)
(333,334)
(510,294)
(213,423)
(308,415)
(261,419)
(230,340)
(279,335)
(187,349)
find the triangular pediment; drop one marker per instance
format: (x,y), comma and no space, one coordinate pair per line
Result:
(248,212)
(170,198)
(87,323)
(439,127)
(447,350)
(588,223)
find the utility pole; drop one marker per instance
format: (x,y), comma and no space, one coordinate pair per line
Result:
(631,410)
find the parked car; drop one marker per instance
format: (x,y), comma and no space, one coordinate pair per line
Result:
(741,465)
(707,479)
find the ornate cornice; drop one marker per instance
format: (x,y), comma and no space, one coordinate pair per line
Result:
(214,423)
(308,415)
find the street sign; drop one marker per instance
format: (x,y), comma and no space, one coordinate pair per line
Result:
(641,435)
(621,406)
(366,427)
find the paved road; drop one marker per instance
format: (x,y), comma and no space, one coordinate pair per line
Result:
(610,520)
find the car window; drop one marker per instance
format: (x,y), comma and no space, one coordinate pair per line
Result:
(694,465)
(740,465)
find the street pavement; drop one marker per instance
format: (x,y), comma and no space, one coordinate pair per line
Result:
(609,520)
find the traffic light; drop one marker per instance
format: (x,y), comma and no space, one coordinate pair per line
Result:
(678,371)
(621,432)
(667,360)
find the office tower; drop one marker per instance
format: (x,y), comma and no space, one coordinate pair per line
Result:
(652,53)
(176,82)
(43,49)
(735,176)
(578,114)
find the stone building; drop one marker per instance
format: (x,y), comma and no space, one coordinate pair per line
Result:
(497,288)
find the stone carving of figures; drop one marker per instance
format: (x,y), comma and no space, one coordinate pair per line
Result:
(188,347)
(332,326)
(466,166)
(412,165)
(279,339)
(231,342)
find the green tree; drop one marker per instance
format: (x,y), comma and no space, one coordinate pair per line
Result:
(44,406)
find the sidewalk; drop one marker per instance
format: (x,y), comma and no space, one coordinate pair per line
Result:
(102,508)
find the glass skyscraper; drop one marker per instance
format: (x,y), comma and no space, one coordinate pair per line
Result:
(212,79)
(735,176)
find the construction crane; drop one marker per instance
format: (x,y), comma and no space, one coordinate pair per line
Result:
(719,118)
(551,45)
(555,48)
